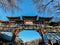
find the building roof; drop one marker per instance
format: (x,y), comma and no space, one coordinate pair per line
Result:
(1,20)
(13,18)
(29,17)
(53,23)
(45,18)
(19,21)
(6,36)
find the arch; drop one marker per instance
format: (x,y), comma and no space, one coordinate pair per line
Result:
(29,34)
(39,31)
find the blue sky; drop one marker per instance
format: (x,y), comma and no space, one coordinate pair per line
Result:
(29,35)
(27,9)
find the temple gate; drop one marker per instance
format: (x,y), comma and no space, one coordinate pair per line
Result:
(26,23)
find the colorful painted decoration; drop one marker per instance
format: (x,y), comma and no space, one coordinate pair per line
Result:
(7,23)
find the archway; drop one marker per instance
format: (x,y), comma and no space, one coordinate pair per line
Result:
(29,35)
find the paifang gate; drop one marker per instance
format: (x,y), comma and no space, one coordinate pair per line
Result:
(16,24)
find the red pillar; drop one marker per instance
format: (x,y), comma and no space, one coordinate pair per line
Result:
(14,34)
(41,33)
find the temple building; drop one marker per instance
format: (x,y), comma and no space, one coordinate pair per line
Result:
(13,18)
(12,21)
(27,22)
(15,24)
(29,19)
(6,38)
(53,23)
(44,20)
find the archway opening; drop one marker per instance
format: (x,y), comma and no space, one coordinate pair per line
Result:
(29,35)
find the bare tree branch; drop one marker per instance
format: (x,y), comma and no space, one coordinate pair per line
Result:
(57,6)
(41,7)
(10,5)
